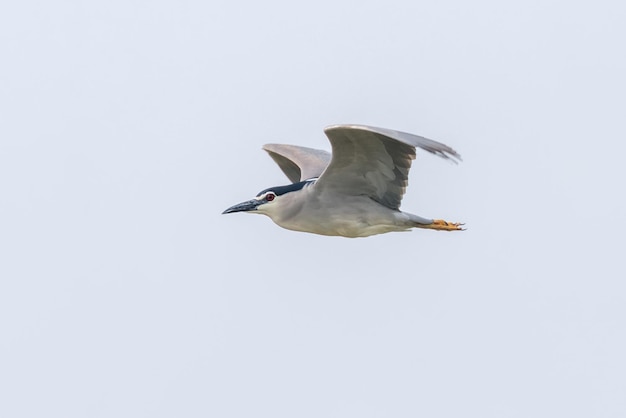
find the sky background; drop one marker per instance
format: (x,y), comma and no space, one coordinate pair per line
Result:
(127,127)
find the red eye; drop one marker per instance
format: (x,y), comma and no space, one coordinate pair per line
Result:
(270,196)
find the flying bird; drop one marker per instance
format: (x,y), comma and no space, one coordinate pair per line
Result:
(355,192)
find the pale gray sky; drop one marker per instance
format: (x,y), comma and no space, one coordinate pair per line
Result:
(126,127)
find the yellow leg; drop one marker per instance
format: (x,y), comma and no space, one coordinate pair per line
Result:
(441,225)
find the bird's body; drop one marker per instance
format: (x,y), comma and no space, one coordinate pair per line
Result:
(359,189)
(367,217)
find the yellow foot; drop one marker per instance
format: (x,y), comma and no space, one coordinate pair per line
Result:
(441,225)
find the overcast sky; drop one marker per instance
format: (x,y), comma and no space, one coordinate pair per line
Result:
(127,127)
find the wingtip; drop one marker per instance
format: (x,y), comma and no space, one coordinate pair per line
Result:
(453,156)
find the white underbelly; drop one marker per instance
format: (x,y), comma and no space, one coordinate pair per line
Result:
(361,225)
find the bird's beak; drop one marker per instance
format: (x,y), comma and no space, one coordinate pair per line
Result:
(244,206)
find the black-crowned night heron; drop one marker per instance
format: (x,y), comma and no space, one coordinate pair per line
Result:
(356,192)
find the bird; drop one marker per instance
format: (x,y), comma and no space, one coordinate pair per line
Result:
(354,192)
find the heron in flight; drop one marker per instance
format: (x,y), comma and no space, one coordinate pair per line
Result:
(355,191)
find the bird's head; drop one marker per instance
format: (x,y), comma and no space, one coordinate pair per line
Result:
(271,201)
(259,204)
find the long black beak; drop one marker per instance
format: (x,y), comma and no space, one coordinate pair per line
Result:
(244,206)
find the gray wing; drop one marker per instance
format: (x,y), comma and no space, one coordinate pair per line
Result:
(374,162)
(298,163)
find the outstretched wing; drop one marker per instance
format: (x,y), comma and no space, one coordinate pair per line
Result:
(298,163)
(374,162)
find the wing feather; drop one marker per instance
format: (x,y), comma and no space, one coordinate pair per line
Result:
(374,162)
(298,163)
